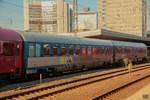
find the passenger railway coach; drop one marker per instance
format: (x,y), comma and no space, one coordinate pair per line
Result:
(23,53)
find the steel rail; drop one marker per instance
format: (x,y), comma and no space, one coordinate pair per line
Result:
(35,93)
(117,89)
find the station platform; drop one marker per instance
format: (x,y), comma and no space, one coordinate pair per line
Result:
(143,94)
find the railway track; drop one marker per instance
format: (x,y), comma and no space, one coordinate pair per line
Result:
(40,92)
(110,93)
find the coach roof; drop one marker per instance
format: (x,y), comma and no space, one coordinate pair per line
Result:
(130,44)
(9,35)
(49,38)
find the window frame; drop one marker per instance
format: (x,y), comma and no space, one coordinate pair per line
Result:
(12,49)
(71,50)
(40,51)
(32,44)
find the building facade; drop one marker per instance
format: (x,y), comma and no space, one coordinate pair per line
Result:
(125,16)
(148,15)
(68,17)
(46,15)
(87,21)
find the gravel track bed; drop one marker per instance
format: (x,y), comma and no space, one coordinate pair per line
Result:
(93,90)
(125,93)
(66,77)
(37,82)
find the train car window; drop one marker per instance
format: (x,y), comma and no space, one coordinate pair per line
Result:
(46,50)
(89,51)
(98,51)
(78,51)
(83,51)
(71,51)
(55,51)
(107,51)
(94,51)
(31,50)
(38,50)
(64,51)
(8,49)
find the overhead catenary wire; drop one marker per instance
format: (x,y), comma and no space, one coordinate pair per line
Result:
(22,6)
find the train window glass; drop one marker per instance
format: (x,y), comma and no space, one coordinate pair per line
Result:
(55,51)
(63,50)
(46,50)
(78,51)
(71,51)
(83,51)
(94,51)
(38,50)
(8,49)
(89,51)
(31,50)
(98,51)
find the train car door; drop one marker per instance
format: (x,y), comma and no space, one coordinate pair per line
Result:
(8,61)
(11,54)
(18,57)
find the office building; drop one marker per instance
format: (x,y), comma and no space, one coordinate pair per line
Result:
(125,16)
(46,15)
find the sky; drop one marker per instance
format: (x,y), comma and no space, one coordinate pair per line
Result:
(11,13)
(87,3)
